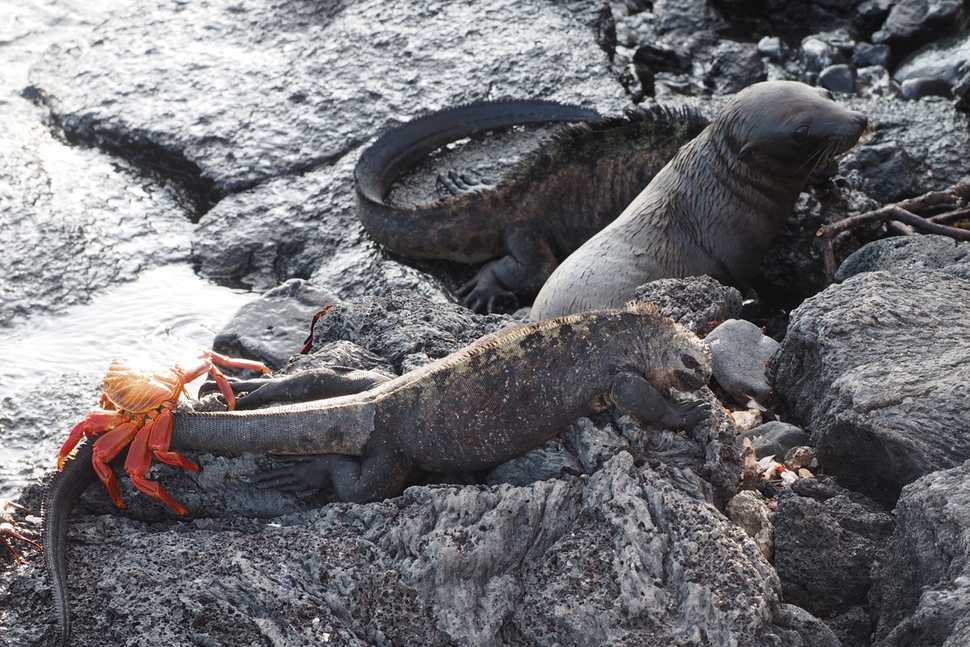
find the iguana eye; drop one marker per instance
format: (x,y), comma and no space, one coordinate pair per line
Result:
(689,362)
(802,134)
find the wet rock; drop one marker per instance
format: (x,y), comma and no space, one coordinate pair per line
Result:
(695,302)
(219,123)
(838,78)
(883,395)
(740,352)
(274,327)
(56,208)
(921,591)
(622,557)
(775,439)
(912,23)
(825,545)
(867,54)
(907,256)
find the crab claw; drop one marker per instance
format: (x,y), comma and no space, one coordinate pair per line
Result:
(93,424)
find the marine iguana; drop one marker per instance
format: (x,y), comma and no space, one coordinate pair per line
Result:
(556,198)
(491,401)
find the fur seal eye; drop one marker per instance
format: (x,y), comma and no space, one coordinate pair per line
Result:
(802,134)
(689,362)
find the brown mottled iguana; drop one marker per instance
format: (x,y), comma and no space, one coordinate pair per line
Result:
(559,196)
(491,401)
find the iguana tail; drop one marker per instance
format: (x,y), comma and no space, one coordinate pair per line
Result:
(316,427)
(62,492)
(412,231)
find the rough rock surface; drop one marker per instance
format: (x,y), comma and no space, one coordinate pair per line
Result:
(619,558)
(617,551)
(921,584)
(248,118)
(906,255)
(826,540)
(884,395)
(696,302)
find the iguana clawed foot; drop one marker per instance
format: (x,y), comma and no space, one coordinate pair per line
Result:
(460,183)
(485,293)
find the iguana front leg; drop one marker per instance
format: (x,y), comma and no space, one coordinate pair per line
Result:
(522,272)
(633,395)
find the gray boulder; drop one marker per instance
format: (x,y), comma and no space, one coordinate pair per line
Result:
(878,368)
(922,583)
(907,255)
(740,353)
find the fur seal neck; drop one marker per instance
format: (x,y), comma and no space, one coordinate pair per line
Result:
(716,206)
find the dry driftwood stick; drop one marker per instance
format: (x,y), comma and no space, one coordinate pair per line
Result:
(906,212)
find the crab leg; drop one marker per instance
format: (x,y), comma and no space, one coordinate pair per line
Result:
(107,447)
(160,431)
(94,423)
(138,463)
(206,363)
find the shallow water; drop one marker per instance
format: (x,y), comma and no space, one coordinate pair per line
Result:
(79,227)
(167,313)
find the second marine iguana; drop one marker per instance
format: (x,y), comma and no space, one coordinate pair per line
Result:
(492,401)
(555,199)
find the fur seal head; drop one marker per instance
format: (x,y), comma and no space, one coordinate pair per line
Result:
(788,127)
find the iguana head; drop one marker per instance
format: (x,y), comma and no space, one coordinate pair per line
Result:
(675,357)
(689,360)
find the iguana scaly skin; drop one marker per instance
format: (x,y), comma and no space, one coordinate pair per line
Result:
(571,187)
(495,399)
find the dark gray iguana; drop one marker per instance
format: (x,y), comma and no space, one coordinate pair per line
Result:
(491,401)
(559,196)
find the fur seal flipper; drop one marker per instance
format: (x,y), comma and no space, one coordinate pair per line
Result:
(550,205)
(716,206)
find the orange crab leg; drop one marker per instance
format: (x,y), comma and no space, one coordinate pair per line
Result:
(93,424)
(160,432)
(106,448)
(138,463)
(206,363)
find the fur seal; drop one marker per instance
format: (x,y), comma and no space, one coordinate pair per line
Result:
(716,206)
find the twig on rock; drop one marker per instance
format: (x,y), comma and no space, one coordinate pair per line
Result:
(954,199)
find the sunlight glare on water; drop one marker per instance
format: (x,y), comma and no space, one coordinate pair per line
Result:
(166,314)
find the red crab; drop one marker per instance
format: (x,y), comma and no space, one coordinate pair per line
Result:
(136,407)
(9,527)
